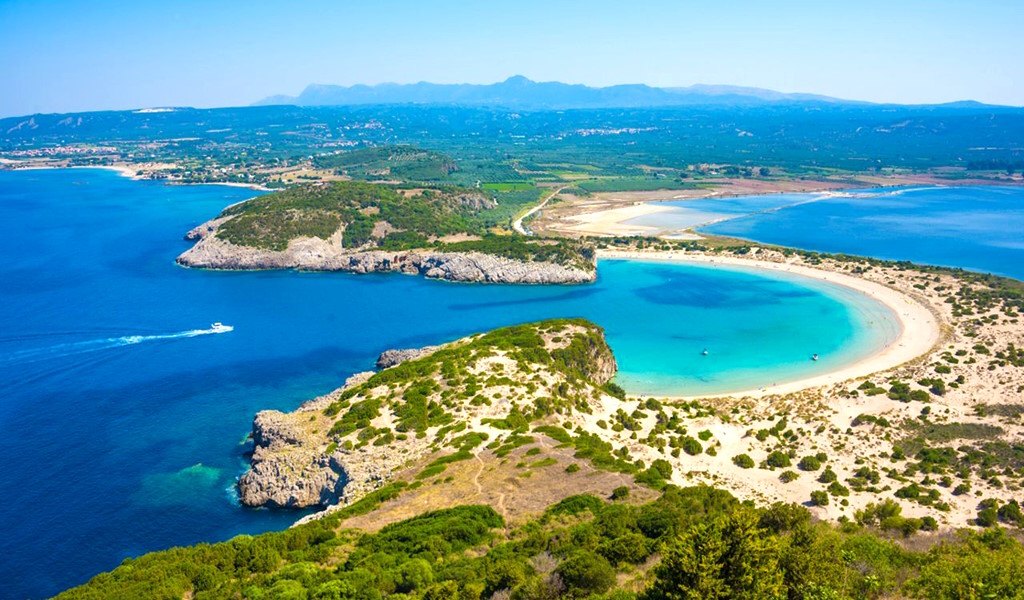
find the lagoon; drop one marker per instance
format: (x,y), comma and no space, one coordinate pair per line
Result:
(978,228)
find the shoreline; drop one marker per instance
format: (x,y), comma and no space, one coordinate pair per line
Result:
(125,170)
(920,330)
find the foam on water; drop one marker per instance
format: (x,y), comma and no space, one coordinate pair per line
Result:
(72,348)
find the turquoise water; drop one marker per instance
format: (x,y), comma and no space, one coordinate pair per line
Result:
(123,418)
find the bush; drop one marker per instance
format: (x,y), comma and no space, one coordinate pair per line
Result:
(809,463)
(572,468)
(919,396)
(837,489)
(586,573)
(788,476)
(819,498)
(620,493)
(987,517)
(628,548)
(778,460)
(692,446)
(743,461)
(1011,513)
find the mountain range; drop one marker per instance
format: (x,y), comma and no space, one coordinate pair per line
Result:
(521,92)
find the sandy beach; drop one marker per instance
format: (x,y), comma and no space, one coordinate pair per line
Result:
(919,328)
(612,222)
(827,413)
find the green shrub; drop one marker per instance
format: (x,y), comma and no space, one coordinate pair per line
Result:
(743,461)
(585,573)
(809,463)
(837,489)
(788,476)
(778,460)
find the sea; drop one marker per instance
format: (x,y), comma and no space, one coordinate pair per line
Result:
(124,413)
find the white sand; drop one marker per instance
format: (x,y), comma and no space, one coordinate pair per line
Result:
(612,222)
(919,328)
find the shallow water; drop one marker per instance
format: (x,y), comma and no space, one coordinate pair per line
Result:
(123,417)
(980,228)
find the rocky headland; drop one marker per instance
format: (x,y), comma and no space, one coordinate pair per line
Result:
(335,449)
(315,254)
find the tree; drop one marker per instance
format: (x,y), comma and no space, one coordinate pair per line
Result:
(732,558)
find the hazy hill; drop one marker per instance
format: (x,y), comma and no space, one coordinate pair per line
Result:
(521,92)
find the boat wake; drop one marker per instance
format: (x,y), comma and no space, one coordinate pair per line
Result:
(71,348)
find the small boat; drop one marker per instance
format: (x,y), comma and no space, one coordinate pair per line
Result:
(219,327)
(815,357)
(705,352)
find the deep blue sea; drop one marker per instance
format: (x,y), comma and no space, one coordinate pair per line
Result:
(975,228)
(123,419)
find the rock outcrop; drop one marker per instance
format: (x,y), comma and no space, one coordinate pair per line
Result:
(390,358)
(286,471)
(315,254)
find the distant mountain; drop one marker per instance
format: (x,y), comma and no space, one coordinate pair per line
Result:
(520,92)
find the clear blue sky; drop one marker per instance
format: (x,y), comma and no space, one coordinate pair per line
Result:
(60,56)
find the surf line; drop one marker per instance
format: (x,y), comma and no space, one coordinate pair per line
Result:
(68,349)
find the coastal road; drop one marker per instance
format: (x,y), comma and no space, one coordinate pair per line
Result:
(518,223)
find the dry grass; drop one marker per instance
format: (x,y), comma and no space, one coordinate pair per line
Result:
(499,483)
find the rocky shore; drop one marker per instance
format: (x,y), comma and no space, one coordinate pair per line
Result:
(295,467)
(315,254)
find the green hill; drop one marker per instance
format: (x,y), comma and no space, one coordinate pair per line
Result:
(383,217)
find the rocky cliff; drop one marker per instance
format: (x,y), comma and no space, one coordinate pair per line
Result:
(315,254)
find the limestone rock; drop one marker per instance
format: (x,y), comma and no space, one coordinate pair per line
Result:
(315,254)
(286,469)
(390,358)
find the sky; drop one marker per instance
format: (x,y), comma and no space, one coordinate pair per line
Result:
(70,56)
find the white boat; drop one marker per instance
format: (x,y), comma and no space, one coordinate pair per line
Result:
(815,357)
(219,327)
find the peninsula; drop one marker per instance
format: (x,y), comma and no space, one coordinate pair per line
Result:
(365,227)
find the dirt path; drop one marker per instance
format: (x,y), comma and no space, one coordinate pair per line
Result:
(518,223)
(479,472)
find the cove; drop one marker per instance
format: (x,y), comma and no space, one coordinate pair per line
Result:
(123,417)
